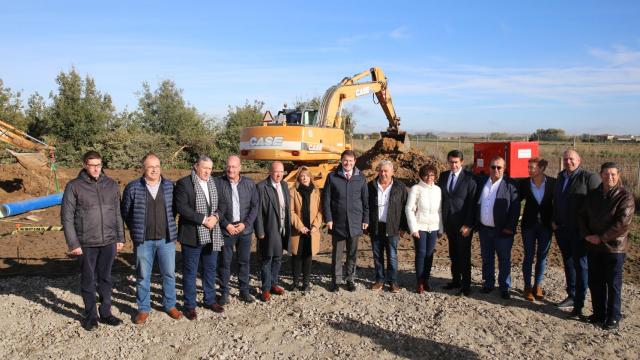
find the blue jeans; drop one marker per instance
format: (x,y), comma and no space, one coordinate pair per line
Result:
(242,244)
(146,252)
(574,257)
(389,244)
(270,271)
(605,283)
(424,245)
(190,259)
(541,235)
(493,241)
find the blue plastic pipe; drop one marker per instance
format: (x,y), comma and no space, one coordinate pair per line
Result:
(20,207)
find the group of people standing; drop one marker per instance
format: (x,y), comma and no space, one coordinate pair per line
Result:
(218,215)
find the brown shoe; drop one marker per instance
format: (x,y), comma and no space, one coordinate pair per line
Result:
(377,286)
(420,287)
(265,296)
(538,293)
(174,313)
(191,314)
(141,318)
(395,288)
(528,294)
(277,290)
(215,308)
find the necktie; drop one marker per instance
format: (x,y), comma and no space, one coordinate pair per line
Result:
(348,176)
(453,179)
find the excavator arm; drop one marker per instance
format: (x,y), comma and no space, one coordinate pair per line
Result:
(330,114)
(41,154)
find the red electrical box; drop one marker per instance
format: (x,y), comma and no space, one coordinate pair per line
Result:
(515,153)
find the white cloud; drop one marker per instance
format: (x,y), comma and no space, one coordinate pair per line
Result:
(619,55)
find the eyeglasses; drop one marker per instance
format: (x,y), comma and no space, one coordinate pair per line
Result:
(496,167)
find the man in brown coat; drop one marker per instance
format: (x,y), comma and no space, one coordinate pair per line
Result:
(604,224)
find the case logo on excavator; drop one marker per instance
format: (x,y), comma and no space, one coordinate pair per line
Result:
(266,141)
(364,91)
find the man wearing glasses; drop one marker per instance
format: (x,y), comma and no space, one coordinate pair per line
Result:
(94,233)
(458,211)
(497,215)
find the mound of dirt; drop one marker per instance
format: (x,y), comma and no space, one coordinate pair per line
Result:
(407,163)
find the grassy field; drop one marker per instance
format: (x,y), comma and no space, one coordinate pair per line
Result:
(592,154)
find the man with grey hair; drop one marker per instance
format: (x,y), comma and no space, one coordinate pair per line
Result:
(387,219)
(196,200)
(273,228)
(238,210)
(572,185)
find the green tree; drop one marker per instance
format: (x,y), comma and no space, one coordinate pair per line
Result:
(164,111)
(238,117)
(549,135)
(37,117)
(11,110)
(79,113)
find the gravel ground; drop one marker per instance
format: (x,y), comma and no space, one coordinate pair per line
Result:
(41,321)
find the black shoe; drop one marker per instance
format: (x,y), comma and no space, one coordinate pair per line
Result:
(486,290)
(465,292)
(334,287)
(505,295)
(248,298)
(223,299)
(611,324)
(351,286)
(451,286)
(111,321)
(596,320)
(90,324)
(566,303)
(576,314)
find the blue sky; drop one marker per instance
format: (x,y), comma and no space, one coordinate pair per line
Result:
(476,66)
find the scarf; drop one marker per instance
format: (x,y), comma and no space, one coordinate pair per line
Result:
(206,236)
(305,194)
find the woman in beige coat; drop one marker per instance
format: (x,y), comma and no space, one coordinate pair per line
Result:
(306,218)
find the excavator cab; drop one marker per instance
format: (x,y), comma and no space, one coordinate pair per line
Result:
(306,117)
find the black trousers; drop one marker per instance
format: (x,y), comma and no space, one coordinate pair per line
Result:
(460,255)
(95,272)
(605,283)
(301,264)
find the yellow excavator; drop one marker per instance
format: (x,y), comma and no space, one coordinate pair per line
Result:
(315,138)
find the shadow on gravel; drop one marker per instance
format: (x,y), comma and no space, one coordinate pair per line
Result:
(404,345)
(544,307)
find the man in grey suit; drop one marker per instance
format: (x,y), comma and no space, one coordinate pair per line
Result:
(273,228)
(238,210)
(346,211)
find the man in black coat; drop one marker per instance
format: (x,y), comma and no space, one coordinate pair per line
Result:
(571,189)
(458,213)
(196,200)
(273,228)
(346,211)
(387,198)
(497,213)
(94,233)
(537,193)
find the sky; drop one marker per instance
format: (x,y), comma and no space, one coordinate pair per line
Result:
(453,66)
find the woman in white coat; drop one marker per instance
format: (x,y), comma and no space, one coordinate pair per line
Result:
(424,217)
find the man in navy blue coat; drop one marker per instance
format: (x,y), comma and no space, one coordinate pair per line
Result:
(498,209)
(346,211)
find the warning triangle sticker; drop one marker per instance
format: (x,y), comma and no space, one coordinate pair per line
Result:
(267,117)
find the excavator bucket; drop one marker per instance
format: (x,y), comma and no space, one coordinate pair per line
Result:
(30,161)
(396,141)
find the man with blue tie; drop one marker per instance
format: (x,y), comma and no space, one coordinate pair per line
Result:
(458,211)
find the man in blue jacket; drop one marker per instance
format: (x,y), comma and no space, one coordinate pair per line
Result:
(147,209)
(346,212)
(94,233)
(498,209)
